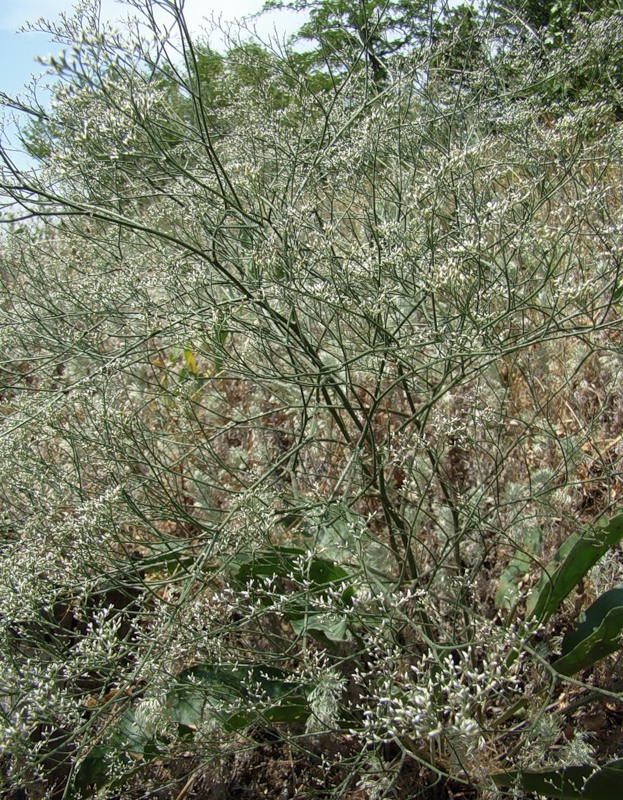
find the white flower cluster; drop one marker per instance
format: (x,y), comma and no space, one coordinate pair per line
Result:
(449,699)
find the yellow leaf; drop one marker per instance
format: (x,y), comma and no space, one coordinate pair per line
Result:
(191,363)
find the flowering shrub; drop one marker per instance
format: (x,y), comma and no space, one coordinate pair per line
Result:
(300,401)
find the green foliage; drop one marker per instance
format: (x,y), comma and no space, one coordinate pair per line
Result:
(298,350)
(204,697)
(553,18)
(112,762)
(344,31)
(563,784)
(290,562)
(520,564)
(584,782)
(580,552)
(236,698)
(578,46)
(597,634)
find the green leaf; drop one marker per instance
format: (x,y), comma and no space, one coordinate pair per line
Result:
(334,534)
(236,697)
(290,562)
(607,783)
(277,562)
(203,692)
(333,626)
(93,771)
(322,572)
(583,782)
(127,746)
(562,784)
(573,560)
(313,573)
(342,536)
(521,563)
(597,634)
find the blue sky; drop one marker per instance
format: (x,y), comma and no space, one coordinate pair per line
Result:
(19,50)
(18,66)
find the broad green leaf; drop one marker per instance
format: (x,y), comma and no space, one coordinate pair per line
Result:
(233,697)
(203,692)
(279,562)
(334,534)
(597,634)
(583,782)
(333,626)
(606,783)
(559,784)
(236,697)
(322,571)
(573,560)
(342,536)
(131,735)
(291,562)
(93,771)
(126,747)
(521,563)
